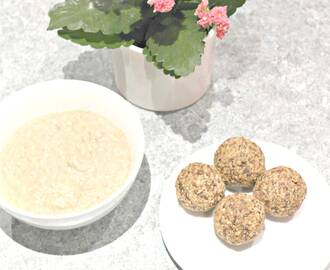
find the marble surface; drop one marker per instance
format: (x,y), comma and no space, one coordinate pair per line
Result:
(272,82)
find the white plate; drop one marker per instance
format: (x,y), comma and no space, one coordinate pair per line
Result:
(300,243)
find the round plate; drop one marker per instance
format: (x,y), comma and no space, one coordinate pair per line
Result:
(301,242)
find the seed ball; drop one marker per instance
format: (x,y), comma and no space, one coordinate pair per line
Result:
(239,218)
(282,190)
(240,162)
(199,187)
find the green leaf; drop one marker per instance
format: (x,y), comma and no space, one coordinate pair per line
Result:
(151,58)
(175,42)
(82,14)
(95,40)
(107,5)
(139,29)
(232,5)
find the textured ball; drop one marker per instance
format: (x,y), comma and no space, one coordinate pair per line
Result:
(282,190)
(240,162)
(199,187)
(239,218)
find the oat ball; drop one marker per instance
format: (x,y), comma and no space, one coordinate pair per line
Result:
(239,218)
(282,190)
(199,187)
(240,162)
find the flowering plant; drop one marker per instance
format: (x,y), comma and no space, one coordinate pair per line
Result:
(171,32)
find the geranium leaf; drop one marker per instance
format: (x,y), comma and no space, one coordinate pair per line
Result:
(175,42)
(107,5)
(82,14)
(232,5)
(151,58)
(95,40)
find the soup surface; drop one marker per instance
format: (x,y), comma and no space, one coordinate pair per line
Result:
(63,162)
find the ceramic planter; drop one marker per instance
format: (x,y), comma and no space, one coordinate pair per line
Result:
(148,87)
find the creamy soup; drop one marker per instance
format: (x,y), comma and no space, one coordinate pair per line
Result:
(63,162)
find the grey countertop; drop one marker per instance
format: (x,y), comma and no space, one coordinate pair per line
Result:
(272,81)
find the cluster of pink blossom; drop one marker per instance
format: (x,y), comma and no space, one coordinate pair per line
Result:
(162,5)
(217,17)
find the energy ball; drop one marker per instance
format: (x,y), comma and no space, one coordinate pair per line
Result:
(199,187)
(239,218)
(240,162)
(282,190)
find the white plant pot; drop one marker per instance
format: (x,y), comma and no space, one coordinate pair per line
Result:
(148,87)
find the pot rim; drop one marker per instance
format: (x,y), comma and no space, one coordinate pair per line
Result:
(139,50)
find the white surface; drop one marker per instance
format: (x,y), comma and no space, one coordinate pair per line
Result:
(300,243)
(272,80)
(64,95)
(148,87)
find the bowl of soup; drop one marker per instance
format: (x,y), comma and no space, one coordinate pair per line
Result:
(69,152)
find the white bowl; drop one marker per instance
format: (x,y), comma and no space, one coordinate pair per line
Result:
(63,95)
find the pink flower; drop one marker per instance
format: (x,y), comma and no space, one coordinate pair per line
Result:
(162,5)
(218,16)
(221,30)
(202,9)
(202,12)
(204,21)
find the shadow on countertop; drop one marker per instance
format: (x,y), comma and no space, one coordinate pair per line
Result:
(96,66)
(172,259)
(93,66)
(192,121)
(233,58)
(90,237)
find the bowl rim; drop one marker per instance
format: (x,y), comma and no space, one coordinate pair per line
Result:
(96,88)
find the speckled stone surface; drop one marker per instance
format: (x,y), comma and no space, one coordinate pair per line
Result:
(272,81)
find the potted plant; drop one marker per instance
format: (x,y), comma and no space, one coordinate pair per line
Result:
(164,48)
